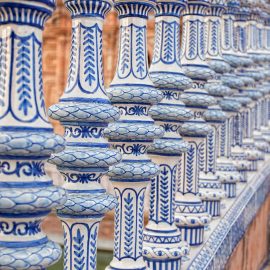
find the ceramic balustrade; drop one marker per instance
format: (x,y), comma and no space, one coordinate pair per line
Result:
(163,248)
(210,188)
(191,127)
(85,111)
(27,193)
(133,93)
(190,214)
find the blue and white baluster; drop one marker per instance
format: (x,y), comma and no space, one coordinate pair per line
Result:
(133,93)
(210,187)
(260,140)
(229,41)
(254,155)
(85,111)
(191,216)
(235,57)
(226,170)
(27,194)
(243,146)
(257,72)
(163,248)
(266,83)
(230,53)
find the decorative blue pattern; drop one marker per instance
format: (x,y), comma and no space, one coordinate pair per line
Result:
(89,54)
(190,156)
(34,168)
(140,53)
(134,149)
(134,110)
(79,258)
(133,37)
(93,249)
(20,228)
(23,74)
(84,132)
(83,178)
(3,70)
(129,223)
(73,56)
(86,62)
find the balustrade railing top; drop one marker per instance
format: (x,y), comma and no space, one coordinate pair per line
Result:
(194,127)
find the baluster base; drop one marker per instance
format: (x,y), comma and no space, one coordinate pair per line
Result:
(163,265)
(230,189)
(212,207)
(191,218)
(163,246)
(193,235)
(211,193)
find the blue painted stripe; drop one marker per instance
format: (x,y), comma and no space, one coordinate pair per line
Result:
(129,180)
(18,157)
(88,124)
(24,244)
(26,129)
(136,122)
(162,231)
(25,215)
(90,145)
(130,141)
(164,154)
(92,191)
(63,215)
(136,161)
(172,105)
(25,184)
(80,169)
(86,100)
(133,85)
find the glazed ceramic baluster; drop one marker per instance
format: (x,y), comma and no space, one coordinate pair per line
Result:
(257,72)
(229,44)
(260,140)
(27,140)
(210,187)
(162,239)
(248,144)
(266,84)
(191,216)
(133,93)
(84,110)
(239,155)
(226,170)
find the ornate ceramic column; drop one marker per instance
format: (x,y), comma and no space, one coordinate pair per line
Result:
(247,119)
(27,140)
(257,72)
(210,187)
(229,41)
(191,216)
(133,93)
(84,110)
(226,169)
(162,239)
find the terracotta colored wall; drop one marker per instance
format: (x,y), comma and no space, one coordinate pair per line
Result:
(253,249)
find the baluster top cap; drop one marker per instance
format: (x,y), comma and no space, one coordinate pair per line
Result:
(170,7)
(14,12)
(233,7)
(130,8)
(86,8)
